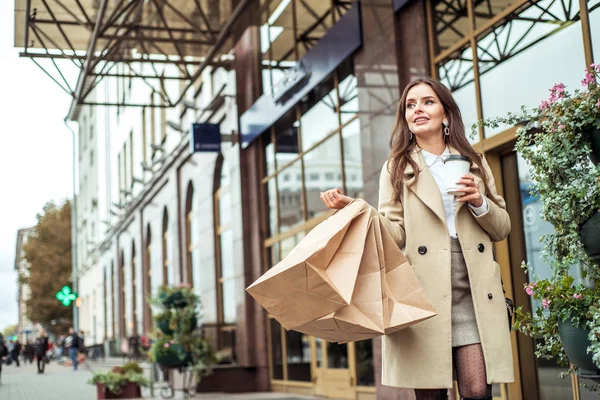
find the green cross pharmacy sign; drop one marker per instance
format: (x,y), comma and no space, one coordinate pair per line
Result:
(65,296)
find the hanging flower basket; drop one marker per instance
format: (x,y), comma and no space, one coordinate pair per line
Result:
(575,343)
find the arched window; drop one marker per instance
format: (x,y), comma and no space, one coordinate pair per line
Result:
(113,286)
(105,303)
(189,214)
(226,291)
(134,324)
(165,248)
(147,282)
(122,323)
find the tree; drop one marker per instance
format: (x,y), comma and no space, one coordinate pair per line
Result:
(9,330)
(48,252)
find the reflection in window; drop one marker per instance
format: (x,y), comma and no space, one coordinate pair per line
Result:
(326,157)
(227,293)
(276,349)
(556,59)
(551,386)
(298,356)
(353,159)
(289,215)
(321,117)
(337,355)
(365,372)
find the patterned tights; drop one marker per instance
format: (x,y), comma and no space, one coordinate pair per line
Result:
(470,373)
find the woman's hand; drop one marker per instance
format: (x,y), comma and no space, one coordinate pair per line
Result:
(334,199)
(471,192)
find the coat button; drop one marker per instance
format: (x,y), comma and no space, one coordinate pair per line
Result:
(422,250)
(490,296)
(480,247)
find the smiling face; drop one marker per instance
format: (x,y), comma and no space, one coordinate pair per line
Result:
(424,111)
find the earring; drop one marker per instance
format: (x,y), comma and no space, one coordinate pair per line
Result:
(410,135)
(446,129)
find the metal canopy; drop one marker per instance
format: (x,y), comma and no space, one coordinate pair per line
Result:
(145,40)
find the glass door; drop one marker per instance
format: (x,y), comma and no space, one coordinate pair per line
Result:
(333,376)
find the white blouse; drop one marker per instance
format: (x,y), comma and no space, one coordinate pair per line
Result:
(436,167)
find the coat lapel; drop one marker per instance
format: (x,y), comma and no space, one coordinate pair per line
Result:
(426,188)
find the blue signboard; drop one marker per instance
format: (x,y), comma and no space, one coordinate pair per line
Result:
(205,138)
(321,60)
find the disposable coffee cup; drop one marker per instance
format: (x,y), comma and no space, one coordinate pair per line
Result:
(455,166)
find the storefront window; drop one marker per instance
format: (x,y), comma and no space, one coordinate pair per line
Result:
(511,54)
(317,147)
(289,192)
(365,372)
(593,7)
(276,349)
(321,118)
(323,166)
(298,356)
(552,387)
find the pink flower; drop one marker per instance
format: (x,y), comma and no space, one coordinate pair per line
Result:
(172,341)
(598,103)
(558,88)
(166,345)
(544,105)
(577,296)
(546,303)
(529,290)
(589,78)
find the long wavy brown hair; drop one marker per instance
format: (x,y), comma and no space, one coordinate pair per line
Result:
(401,143)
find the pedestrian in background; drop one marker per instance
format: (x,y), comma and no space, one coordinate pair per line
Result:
(447,236)
(16,352)
(3,354)
(72,343)
(41,348)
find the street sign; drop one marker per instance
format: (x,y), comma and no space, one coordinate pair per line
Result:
(65,296)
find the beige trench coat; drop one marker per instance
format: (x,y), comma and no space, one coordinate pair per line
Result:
(420,357)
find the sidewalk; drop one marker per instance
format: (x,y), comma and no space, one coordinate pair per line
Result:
(62,383)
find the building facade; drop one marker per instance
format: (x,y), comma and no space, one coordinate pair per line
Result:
(25,327)
(307,98)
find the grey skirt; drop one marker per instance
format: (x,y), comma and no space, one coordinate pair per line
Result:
(464,322)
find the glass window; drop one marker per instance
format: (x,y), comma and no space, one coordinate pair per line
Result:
(555,59)
(227,267)
(320,117)
(286,146)
(324,158)
(271,190)
(229,302)
(224,206)
(337,355)
(550,384)
(289,216)
(365,372)
(276,349)
(298,356)
(353,159)
(288,244)
(595,27)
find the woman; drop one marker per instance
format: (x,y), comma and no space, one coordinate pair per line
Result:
(40,350)
(449,246)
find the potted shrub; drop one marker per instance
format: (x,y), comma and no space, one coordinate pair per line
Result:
(120,382)
(559,139)
(177,345)
(564,323)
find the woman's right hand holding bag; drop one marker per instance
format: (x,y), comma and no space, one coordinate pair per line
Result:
(334,199)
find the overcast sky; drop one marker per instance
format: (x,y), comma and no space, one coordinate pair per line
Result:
(35,152)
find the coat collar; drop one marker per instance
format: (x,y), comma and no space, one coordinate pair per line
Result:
(426,188)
